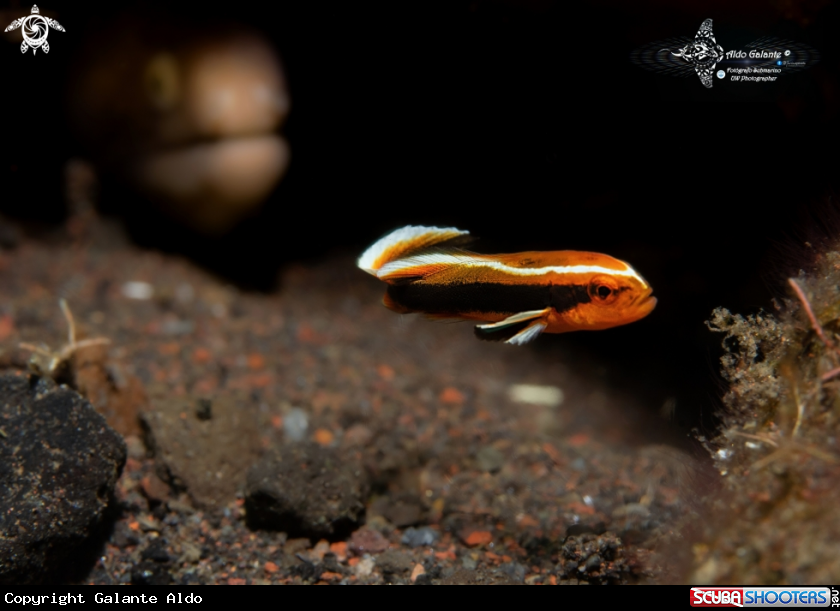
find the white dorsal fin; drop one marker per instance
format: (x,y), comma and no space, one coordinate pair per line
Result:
(404,242)
(420,265)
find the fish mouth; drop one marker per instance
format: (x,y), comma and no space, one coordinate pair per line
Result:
(643,304)
(646,303)
(224,178)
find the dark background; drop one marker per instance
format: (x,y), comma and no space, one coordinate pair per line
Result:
(522,121)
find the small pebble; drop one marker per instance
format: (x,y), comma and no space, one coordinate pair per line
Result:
(339,550)
(357,435)
(367,541)
(323,437)
(593,563)
(549,396)
(417,571)
(177,327)
(203,409)
(295,423)
(451,396)
(489,459)
(138,290)
(477,537)
(365,566)
(394,561)
(514,570)
(148,523)
(420,537)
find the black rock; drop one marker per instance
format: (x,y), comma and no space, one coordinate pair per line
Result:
(306,490)
(59,462)
(307,571)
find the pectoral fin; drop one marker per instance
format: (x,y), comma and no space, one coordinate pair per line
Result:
(518,329)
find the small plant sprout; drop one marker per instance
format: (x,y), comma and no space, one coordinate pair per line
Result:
(48,362)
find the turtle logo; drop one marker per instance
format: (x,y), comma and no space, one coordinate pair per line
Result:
(35,28)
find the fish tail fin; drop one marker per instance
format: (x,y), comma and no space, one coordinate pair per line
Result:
(517,329)
(408,241)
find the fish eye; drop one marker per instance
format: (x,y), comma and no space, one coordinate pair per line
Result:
(161,81)
(603,290)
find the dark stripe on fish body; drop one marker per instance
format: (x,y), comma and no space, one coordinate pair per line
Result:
(487,297)
(568,296)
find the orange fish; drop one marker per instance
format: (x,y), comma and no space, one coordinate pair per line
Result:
(517,295)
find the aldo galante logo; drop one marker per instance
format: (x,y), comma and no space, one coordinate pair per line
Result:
(35,28)
(763,60)
(702,53)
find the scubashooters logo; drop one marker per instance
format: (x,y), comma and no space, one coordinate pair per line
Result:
(765,59)
(794,596)
(35,29)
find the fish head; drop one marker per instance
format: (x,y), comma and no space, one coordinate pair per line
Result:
(615,295)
